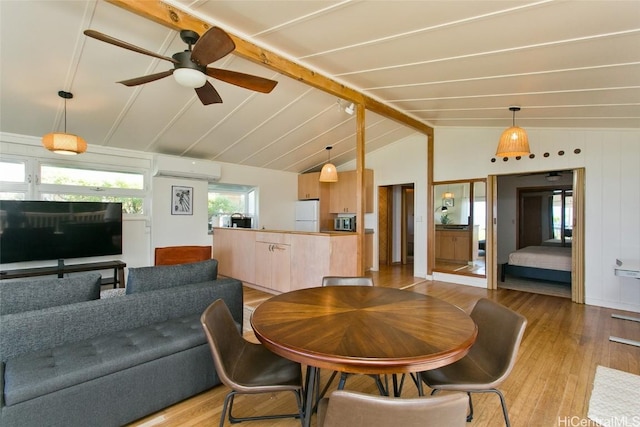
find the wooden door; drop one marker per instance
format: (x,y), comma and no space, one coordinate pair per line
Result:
(384,225)
(530,221)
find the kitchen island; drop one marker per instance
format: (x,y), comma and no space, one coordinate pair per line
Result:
(283,261)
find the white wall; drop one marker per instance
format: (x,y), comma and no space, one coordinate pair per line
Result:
(277,193)
(403,162)
(177,230)
(611,159)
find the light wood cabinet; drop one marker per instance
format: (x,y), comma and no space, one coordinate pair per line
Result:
(234,249)
(284,261)
(342,194)
(273,263)
(453,246)
(314,256)
(310,187)
(368,251)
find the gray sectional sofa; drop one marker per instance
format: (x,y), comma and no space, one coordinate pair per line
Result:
(70,358)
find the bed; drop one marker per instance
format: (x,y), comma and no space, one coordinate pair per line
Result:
(539,262)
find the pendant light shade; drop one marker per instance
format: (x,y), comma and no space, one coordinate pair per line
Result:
(513,141)
(63,142)
(328,172)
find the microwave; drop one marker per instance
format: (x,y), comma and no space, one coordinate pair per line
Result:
(344,223)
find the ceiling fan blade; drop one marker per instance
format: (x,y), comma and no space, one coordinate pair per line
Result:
(208,94)
(211,46)
(146,79)
(247,81)
(111,40)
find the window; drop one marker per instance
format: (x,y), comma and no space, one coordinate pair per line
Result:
(14,182)
(228,199)
(12,171)
(562,215)
(68,183)
(64,182)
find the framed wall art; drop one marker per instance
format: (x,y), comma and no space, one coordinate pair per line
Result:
(448,202)
(181,200)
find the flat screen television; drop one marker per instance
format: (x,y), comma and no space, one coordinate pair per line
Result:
(40,230)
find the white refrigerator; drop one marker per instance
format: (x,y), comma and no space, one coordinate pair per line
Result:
(307,215)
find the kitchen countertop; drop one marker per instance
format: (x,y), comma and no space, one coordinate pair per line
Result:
(320,233)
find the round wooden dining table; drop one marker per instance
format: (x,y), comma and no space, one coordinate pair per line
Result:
(362,329)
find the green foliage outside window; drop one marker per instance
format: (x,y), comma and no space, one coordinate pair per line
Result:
(222,204)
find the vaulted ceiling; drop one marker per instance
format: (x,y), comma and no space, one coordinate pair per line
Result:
(569,64)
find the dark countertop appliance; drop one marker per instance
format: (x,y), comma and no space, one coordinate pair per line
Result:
(240,221)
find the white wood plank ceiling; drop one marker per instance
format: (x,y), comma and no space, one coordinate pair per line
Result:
(569,64)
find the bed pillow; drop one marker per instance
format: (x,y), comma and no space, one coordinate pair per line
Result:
(143,279)
(17,296)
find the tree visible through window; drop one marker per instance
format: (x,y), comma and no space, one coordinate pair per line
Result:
(226,200)
(64,183)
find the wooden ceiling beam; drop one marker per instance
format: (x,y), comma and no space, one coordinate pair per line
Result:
(178,19)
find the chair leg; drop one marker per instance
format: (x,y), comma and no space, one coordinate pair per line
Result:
(343,380)
(504,407)
(227,400)
(503,403)
(417,380)
(233,420)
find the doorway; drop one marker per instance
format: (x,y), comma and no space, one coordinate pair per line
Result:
(536,220)
(396,224)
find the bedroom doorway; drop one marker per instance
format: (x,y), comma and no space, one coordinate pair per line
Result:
(542,212)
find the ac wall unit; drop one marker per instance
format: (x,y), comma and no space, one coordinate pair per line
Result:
(182,167)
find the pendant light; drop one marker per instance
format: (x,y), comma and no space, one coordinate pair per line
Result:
(514,141)
(63,142)
(329,172)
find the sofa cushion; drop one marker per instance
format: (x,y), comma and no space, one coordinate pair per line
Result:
(36,374)
(38,330)
(143,279)
(17,296)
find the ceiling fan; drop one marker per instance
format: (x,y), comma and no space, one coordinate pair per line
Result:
(190,66)
(549,176)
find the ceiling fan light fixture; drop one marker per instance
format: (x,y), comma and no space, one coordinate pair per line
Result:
(328,172)
(189,77)
(514,140)
(553,177)
(63,142)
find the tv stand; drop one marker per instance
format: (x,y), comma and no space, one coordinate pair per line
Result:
(61,269)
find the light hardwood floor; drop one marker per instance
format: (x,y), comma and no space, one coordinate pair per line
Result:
(551,382)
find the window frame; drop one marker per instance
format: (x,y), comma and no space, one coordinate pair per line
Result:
(33,189)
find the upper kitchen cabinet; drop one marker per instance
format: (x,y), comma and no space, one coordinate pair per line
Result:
(310,187)
(343,193)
